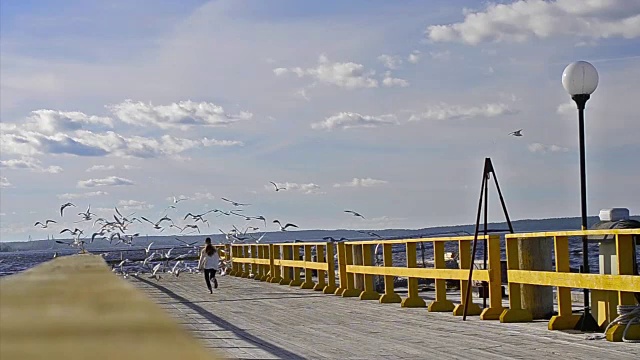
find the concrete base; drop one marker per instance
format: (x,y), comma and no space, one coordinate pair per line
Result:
(515,315)
(615,332)
(284,282)
(307,285)
(351,293)
(390,299)
(369,295)
(339,291)
(329,289)
(473,310)
(295,283)
(275,280)
(319,287)
(491,313)
(413,302)
(567,322)
(441,306)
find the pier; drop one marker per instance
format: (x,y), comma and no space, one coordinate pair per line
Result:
(317,301)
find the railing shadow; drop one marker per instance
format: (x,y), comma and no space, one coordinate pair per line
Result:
(262,344)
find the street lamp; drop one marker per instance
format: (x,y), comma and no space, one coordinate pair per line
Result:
(580,80)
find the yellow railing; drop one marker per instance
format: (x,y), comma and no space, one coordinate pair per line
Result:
(625,283)
(283,263)
(411,271)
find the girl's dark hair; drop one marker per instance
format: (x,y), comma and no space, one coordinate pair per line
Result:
(210,250)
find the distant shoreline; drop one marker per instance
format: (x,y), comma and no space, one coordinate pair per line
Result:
(522,225)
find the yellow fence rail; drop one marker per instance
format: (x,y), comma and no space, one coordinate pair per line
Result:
(284,263)
(625,282)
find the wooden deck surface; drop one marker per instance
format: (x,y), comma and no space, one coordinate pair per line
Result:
(250,319)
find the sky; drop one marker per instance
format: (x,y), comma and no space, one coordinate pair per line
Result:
(385,108)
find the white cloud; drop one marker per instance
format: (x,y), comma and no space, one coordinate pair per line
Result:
(53,121)
(390,61)
(440,55)
(101,168)
(568,109)
(390,81)
(29,163)
(4,182)
(446,111)
(108,181)
(348,75)
(182,115)
(347,120)
(544,149)
(361,182)
(522,20)
(71,196)
(414,57)
(87,143)
(134,205)
(309,188)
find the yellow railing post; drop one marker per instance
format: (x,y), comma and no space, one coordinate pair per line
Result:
(234,265)
(342,268)
(369,292)
(255,268)
(246,267)
(286,272)
(331,271)
(565,320)
(441,304)
(295,252)
(264,255)
(274,254)
(321,273)
(515,313)
(495,308)
(624,252)
(413,299)
(389,294)
(464,256)
(350,288)
(308,272)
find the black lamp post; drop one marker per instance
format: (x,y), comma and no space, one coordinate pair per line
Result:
(580,79)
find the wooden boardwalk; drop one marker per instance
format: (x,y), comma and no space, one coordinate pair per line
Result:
(250,319)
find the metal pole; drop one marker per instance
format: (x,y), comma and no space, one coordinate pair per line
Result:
(475,237)
(484,242)
(587,322)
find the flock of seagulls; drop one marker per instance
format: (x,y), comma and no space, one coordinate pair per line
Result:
(117,229)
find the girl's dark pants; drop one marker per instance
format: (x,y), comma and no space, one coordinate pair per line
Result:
(210,274)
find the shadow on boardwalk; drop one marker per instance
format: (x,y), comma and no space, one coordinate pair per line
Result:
(264,345)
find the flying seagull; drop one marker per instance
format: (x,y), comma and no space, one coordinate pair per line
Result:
(354,213)
(233,202)
(516,133)
(65,206)
(46,223)
(284,228)
(276,186)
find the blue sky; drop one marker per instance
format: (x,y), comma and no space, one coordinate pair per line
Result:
(386,108)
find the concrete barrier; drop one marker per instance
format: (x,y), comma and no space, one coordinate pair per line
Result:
(73,307)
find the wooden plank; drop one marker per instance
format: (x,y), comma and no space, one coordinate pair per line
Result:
(574,233)
(628,283)
(449,274)
(74,307)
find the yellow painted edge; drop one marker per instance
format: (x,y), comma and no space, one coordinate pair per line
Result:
(626,283)
(447,274)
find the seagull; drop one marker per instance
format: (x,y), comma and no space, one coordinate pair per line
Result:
(75,231)
(192,227)
(46,223)
(330,238)
(354,213)
(276,186)
(65,206)
(284,228)
(233,202)
(148,248)
(175,201)
(516,133)
(157,224)
(261,218)
(87,214)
